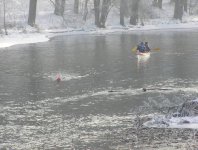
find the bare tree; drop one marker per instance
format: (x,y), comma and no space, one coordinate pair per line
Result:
(76,6)
(185,3)
(59,7)
(105,10)
(178,12)
(102,13)
(85,10)
(122,10)
(97,12)
(32,12)
(134,12)
(158,3)
(4,17)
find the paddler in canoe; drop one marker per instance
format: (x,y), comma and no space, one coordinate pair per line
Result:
(143,47)
(147,48)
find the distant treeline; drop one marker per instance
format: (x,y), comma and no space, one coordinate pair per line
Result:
(128,10)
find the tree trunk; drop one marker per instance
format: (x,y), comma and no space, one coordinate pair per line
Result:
(4,17)
(85,10)
(185,5)
(32,12)
(105,9)
(155,3)
(160,4)
(122,12)
(76,6)
(97,12)
(134,12)
(178,12)
(59,7)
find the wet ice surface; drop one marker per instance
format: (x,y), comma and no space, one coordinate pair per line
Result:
(31,125)
(100,88)
(48,124)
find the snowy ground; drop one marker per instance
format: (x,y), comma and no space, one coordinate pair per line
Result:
(45,35)
(14,39)
(49,25)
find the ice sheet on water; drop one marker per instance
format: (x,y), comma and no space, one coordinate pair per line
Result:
(174,85)
(37,126)
(185,117)
(173,122)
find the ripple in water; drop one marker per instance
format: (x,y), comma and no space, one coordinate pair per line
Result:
(64,76)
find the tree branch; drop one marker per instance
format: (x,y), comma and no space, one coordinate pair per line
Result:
(52,2)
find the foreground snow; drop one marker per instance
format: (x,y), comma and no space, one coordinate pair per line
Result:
(189,121)
(179,122)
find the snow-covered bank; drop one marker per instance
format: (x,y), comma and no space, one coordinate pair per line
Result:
(117,29)
(45,35)
(49,25)
(15,39)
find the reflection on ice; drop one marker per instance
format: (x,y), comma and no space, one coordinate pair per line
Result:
(142,60)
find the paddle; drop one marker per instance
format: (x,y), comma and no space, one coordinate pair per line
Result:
(156,49)
(134,49)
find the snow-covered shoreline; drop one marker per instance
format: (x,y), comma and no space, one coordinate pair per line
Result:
(16,39)
(49,25)
(44,36)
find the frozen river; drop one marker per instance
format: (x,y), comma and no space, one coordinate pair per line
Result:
(36,112)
